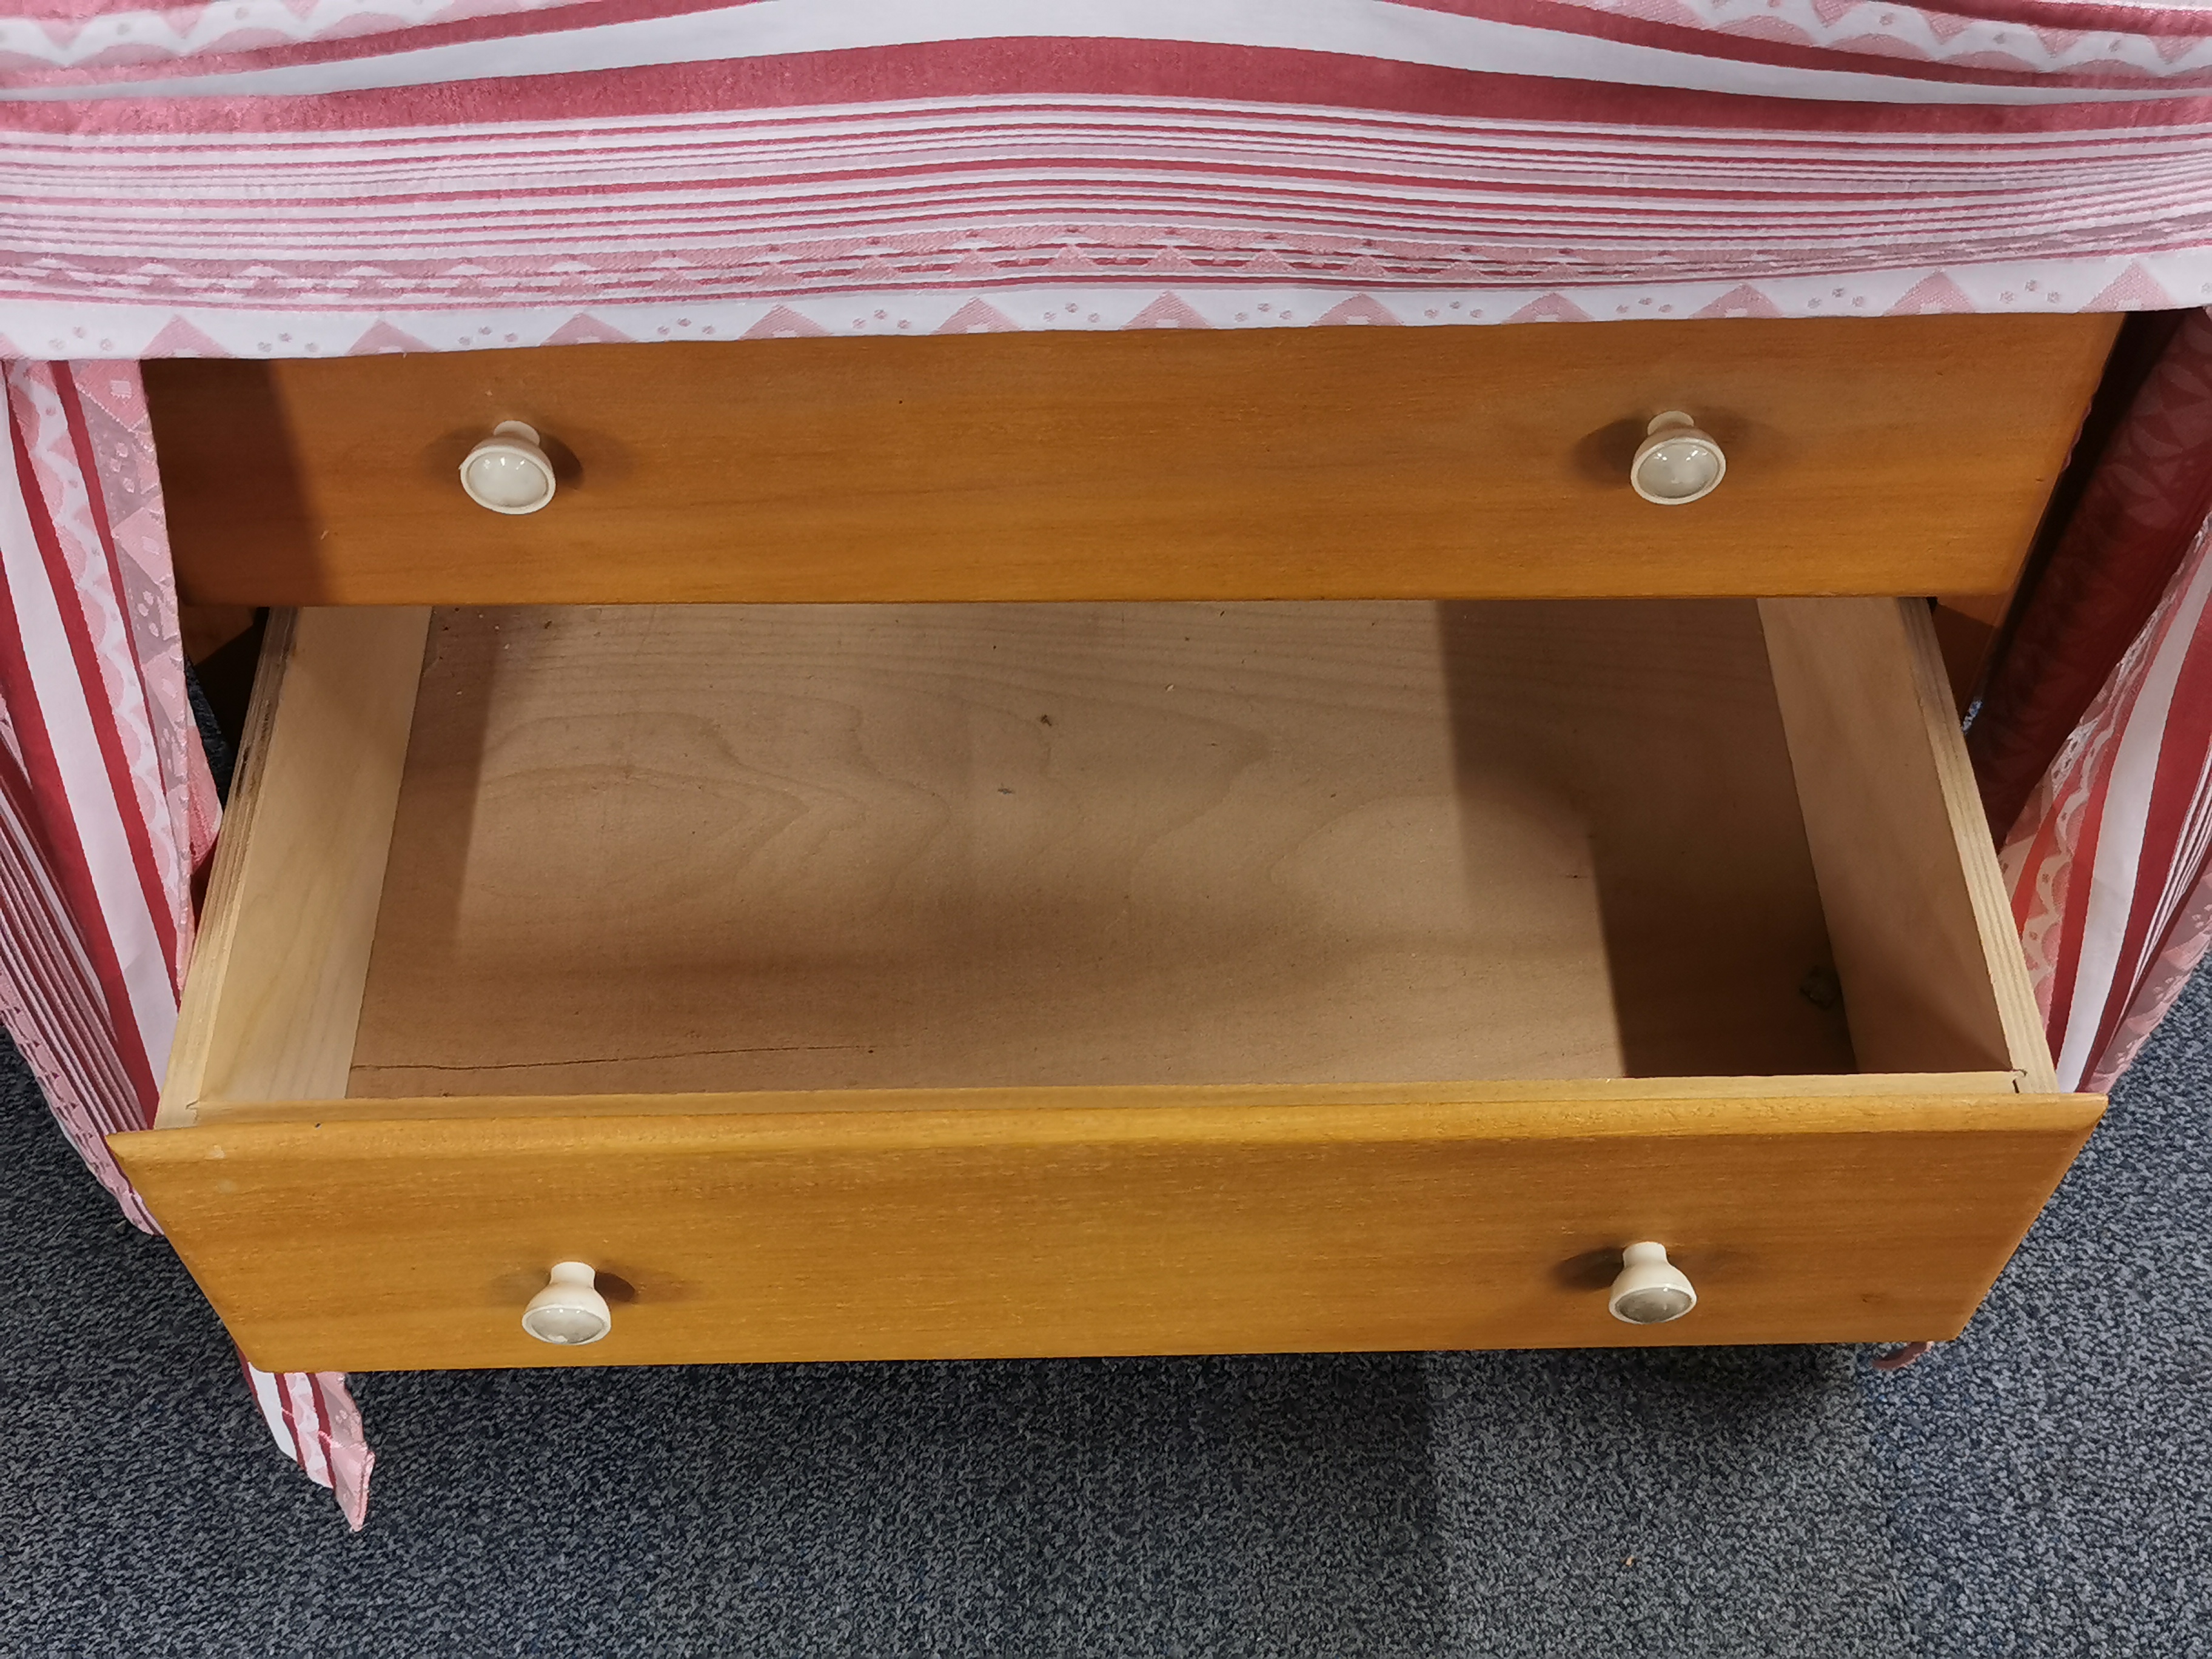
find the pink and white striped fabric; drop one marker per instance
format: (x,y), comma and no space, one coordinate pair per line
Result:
(106,809)
(311,1416)
(2108,858)
(2108,864)
(502,175)
(301,178)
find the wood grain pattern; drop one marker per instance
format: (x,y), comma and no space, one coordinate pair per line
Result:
(1577,1094)
(1901,455)
(645,849)
(363,1245)
(274,993)
(650,851)
(1917,907)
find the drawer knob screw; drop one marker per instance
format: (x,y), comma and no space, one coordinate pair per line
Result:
(1676,464)
(509,472)
(570,1311)
(1650,1290)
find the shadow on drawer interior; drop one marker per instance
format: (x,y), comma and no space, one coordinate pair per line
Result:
(662,850)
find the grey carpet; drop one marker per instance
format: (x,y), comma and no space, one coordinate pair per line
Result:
(2043,1487)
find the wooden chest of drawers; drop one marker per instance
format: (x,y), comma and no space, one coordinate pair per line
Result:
(886,978)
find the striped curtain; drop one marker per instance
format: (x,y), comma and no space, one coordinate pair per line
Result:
(109,807)
(108,811)
(2104,701)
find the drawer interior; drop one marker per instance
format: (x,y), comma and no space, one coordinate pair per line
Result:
(716,847)
(648,851)
(884,982)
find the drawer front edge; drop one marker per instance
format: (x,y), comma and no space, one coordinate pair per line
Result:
(359,1243)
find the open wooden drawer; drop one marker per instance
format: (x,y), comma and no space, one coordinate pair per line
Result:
(908,981)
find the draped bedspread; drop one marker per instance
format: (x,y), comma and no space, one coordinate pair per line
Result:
(324,177)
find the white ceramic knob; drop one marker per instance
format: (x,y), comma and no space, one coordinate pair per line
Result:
(1650,1290)
(1676,464)
(509,472)
(568,1311)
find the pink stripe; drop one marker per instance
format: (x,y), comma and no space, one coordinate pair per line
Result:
(62,1010)
(129,811)
(2073,916)
(66,857)
(299,1446)
(2176,804)
(159,900)
(52,1007)
(67,1003)
(351,1463)
(2126,731)
(1090,69)
(2187,939)
(1693,39)
(307,1410)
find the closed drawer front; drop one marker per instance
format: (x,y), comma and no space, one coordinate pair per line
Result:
(1902,455)
(883,982)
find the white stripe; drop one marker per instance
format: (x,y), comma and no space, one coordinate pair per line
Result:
(44,949)
(1363,29)
(300,1389)
(272,1409)
(92,805)
(2121,830)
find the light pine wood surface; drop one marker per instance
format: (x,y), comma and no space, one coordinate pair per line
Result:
(700,848)
(364,1244)
(1918,911)
(1575,1095)
(273,999)
(1897,455)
